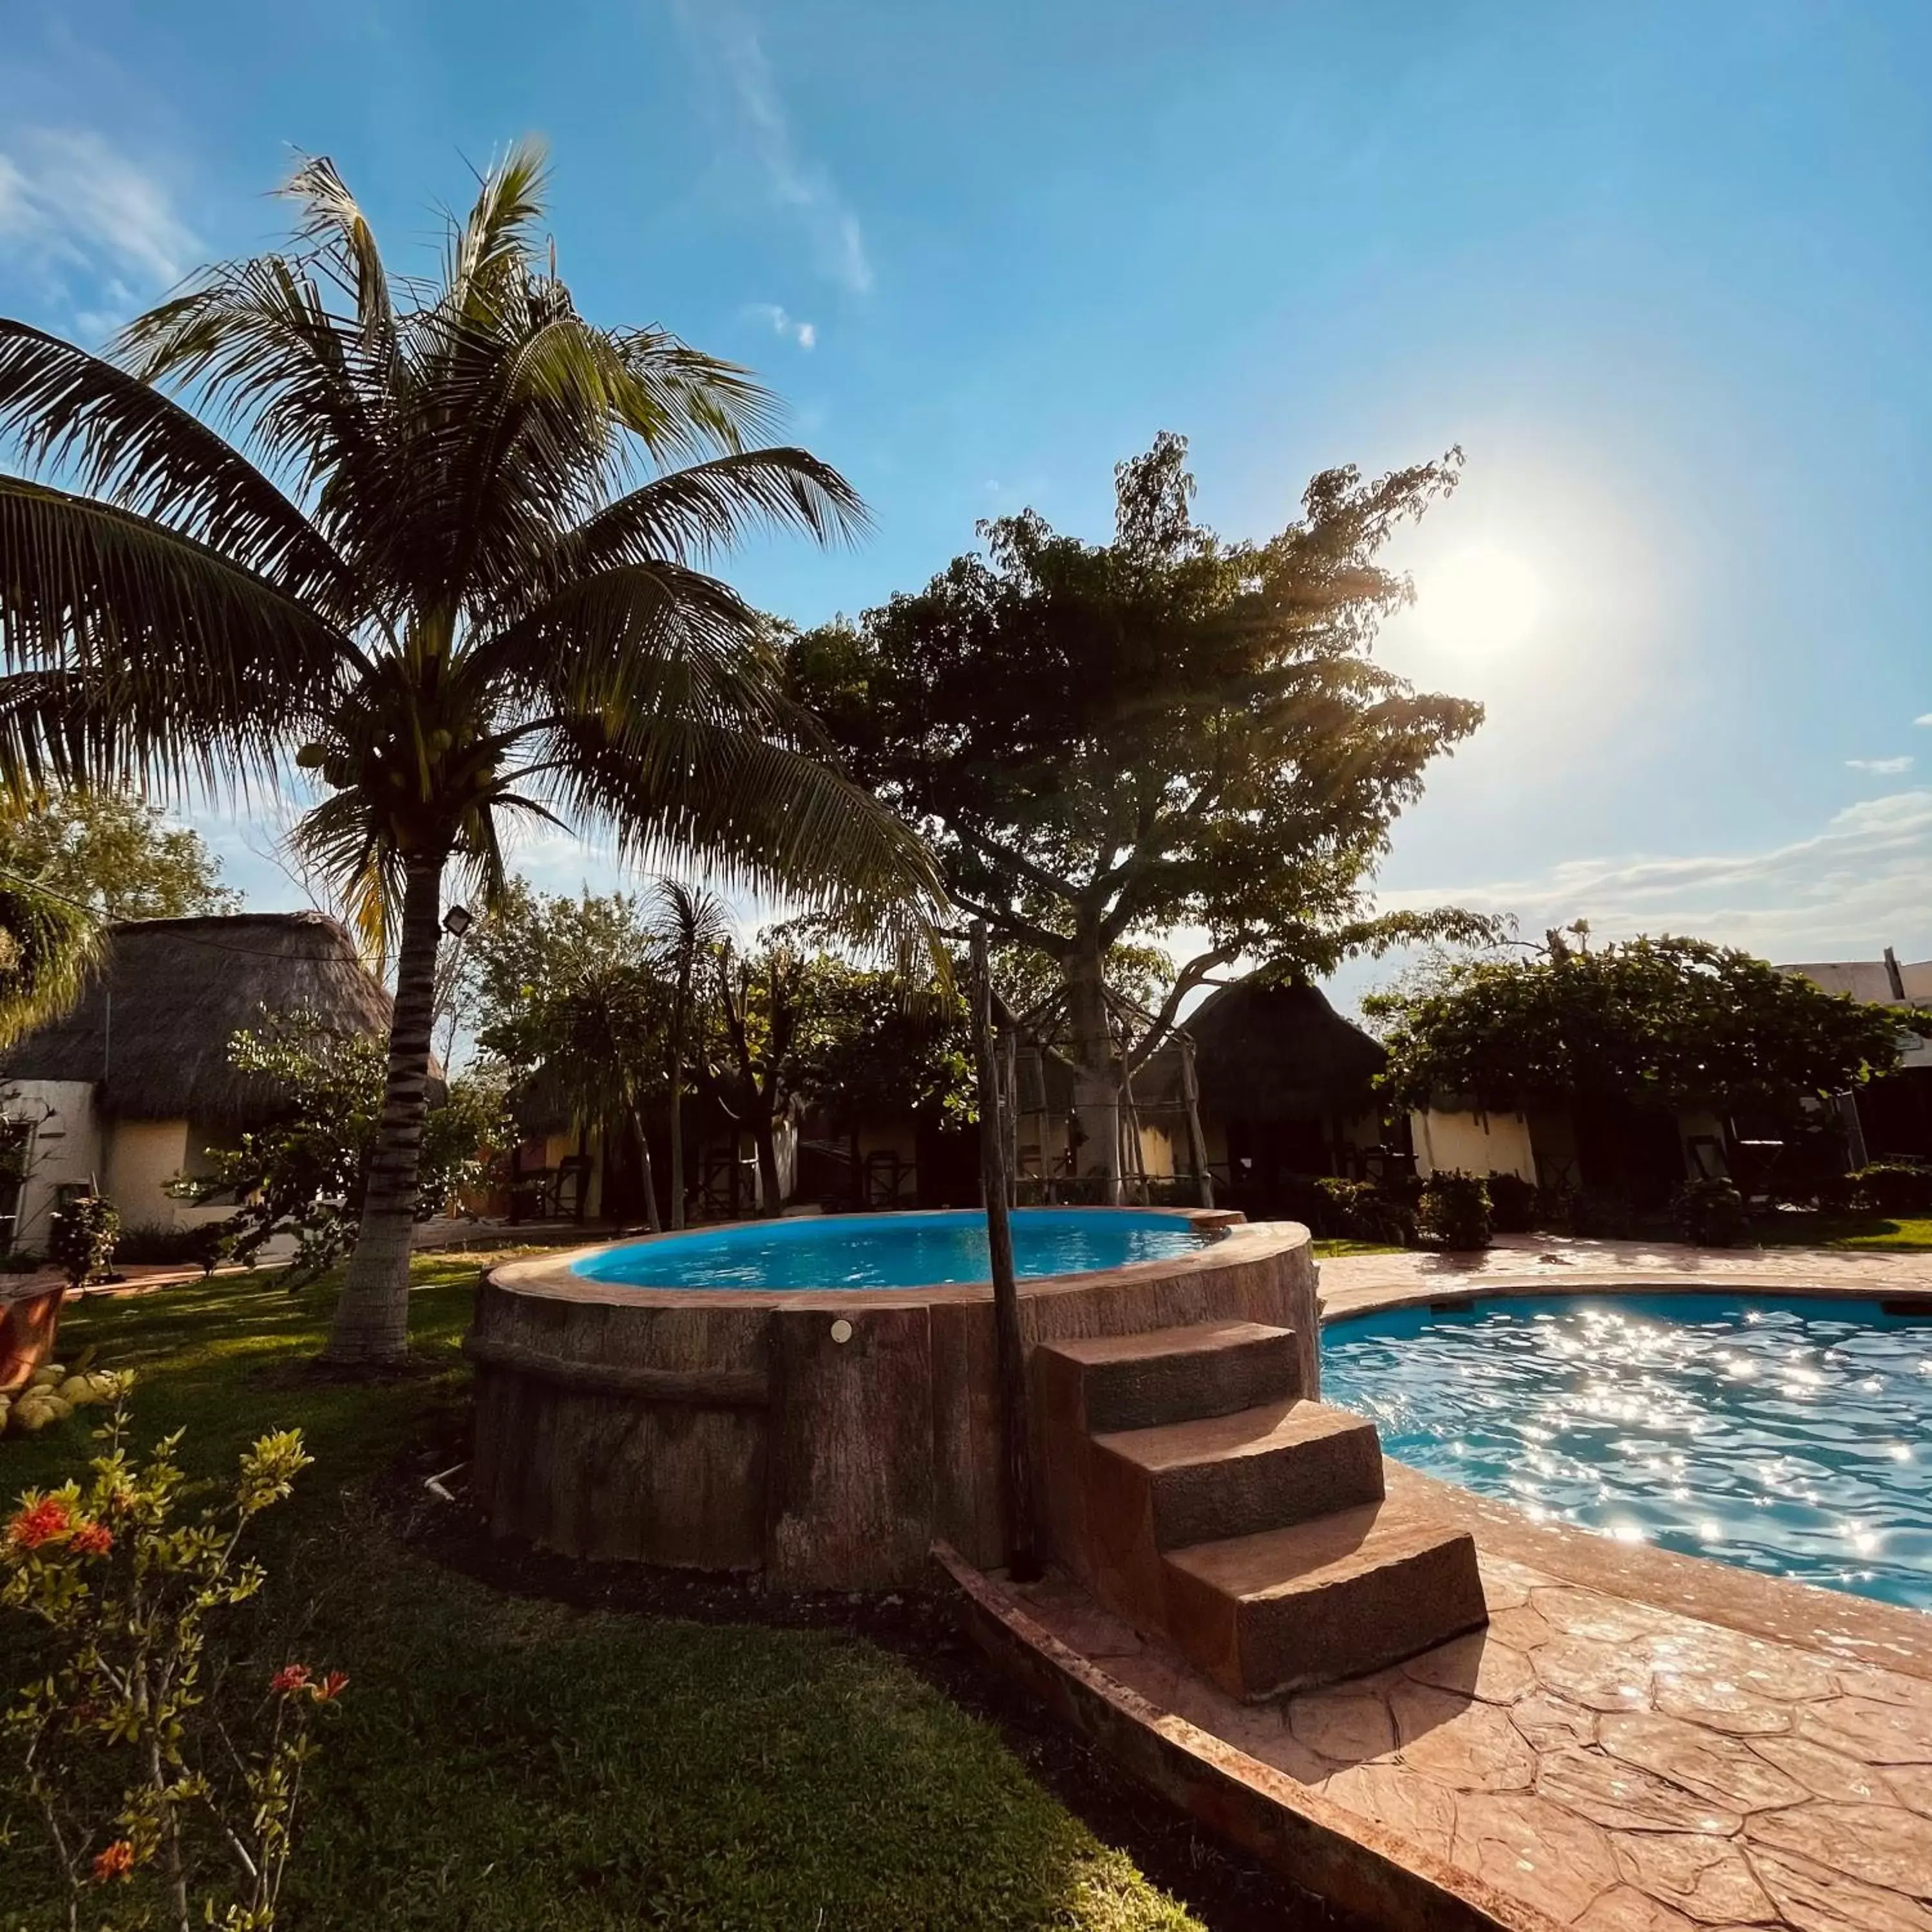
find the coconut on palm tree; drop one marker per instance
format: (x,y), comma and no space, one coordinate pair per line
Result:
(441,544)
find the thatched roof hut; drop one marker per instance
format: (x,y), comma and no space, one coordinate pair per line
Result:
(1266,1053)
(153,1028)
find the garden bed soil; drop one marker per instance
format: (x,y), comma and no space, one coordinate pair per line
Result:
(1227,1890)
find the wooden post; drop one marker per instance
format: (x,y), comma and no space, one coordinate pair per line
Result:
(1010,1112)
(1197,1141)
(1022,1559)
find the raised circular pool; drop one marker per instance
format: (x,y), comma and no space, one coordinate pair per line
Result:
(1789,1435)
(942,1249)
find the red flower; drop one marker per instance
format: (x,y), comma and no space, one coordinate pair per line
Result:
(46,1520)
(91,1539)
(332,1686)
(290,1677)
(116,1861)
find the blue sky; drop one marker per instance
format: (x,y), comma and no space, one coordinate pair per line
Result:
(1664,272)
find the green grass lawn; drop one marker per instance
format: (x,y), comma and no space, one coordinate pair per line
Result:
(505,1764)
(1341,1247)
(1856,1231)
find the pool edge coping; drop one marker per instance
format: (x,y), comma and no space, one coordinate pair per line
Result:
(552,1276)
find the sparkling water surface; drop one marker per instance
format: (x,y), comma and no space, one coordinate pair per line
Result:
(892,1250)
(1792,1435)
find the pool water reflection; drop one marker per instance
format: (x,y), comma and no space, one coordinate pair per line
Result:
(1790,1435)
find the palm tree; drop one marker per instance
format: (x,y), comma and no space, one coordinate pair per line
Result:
(696,922)
(439,543)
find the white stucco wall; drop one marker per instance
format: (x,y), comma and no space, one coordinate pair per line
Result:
(1475,1143)
(142,1157)
(64,1149)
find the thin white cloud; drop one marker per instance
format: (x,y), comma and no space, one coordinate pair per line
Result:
(73,208)
(1923,718)
(805,333)
(794,181)
(1863,881)
(1889,768)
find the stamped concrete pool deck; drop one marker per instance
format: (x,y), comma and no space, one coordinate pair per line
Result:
(1638,1742)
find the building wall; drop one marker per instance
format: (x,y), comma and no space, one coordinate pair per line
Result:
(64,1149)
(142,1157)
(1476,1143)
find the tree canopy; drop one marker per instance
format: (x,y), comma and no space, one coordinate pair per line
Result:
(1668,1022)
(1168,732)
(114,853)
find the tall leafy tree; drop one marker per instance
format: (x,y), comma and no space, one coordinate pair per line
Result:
(114,853)
(1168,732)
(1667,1022)
(439,542)
(575,992)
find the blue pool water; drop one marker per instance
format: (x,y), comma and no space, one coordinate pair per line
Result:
(891,1250)
(1793,1436)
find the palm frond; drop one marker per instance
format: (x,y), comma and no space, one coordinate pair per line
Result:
(637,640)
(116,437)
(47,948)
(697,512)
(497,242)
(331,217)
(170,652)
(694,793)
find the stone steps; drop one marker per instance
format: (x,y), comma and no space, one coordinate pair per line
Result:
(1334,1596)
(1199,1492)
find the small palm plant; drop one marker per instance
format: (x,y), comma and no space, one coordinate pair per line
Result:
(440,545)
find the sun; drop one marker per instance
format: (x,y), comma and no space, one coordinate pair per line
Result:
(1478,600)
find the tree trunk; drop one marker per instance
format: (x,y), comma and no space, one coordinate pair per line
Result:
(372,1316)
(1096,1076)
(677,1025)
(644,1167)
(767,1142)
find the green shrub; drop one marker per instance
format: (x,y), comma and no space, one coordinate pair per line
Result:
(1454,1212)
(81,1238)
(150,1241)
(1710,1213)
(1359,1211)
(1513,1203)
(1892,1187)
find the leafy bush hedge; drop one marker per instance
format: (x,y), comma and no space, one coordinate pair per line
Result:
(1710,1213)
(1359,1211)
(81,1238)
(1454,1210)
(1514,1204)
(1892,1187)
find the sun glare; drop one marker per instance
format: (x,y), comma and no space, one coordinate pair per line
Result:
(1478,600)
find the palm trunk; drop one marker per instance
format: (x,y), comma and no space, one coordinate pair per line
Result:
(677,1024)
(1096,1079)
(372,1316)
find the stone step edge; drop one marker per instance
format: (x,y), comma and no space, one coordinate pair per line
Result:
(1314,1843)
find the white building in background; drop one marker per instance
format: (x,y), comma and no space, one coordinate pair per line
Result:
(134,1086)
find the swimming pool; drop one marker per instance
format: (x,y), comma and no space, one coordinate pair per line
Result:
(887,1251)
(1789,1435)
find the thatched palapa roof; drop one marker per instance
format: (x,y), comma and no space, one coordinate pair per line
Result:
(1271,1052)
(154,1026)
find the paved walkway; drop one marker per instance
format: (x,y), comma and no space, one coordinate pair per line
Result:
(1550,1264)
(1638,1741)
(1598,1762)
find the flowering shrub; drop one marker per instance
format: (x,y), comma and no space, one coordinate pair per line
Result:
(167,1792)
